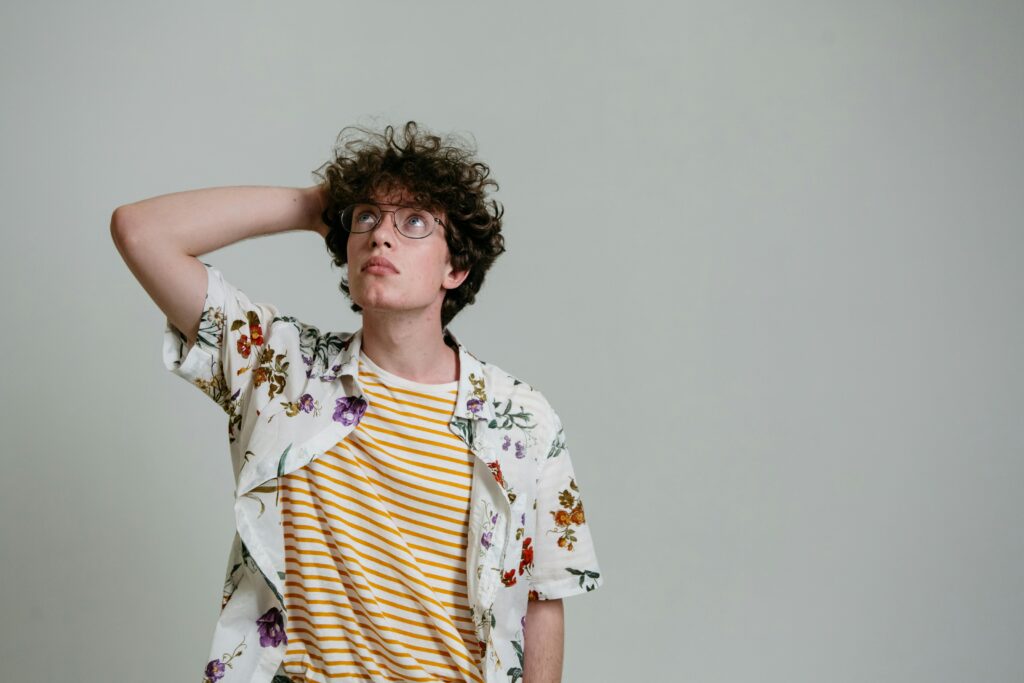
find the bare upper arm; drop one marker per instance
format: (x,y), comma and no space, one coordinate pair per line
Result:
(175,281)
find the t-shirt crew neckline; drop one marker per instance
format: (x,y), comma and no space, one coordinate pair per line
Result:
(394,380)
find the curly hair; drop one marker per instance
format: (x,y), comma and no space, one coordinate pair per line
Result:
(438,174)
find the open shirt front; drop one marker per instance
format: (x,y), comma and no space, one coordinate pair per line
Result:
(291,392)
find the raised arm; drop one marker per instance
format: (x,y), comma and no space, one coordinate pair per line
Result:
(160,238)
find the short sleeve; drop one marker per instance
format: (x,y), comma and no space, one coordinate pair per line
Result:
(230,356)
(564,558)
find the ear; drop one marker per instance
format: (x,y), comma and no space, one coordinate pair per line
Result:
(454,278)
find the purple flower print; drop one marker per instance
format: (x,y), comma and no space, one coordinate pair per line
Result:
(506,443)
(485,539)
(474,405)
(215,670)
(349,410)
(271,628)
(520,450)
(330,376)
(522,520)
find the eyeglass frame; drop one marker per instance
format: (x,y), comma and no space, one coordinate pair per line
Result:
(394,219)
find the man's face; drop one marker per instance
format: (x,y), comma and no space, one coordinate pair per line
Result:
(424,272)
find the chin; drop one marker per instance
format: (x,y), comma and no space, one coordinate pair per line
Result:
(378,301)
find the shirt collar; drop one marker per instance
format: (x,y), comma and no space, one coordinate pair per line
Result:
(473,401)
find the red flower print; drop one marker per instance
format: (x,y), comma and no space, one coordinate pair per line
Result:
(244,347)
(509,578)
(526,559)
(496,469)
(577,516)
(255,330)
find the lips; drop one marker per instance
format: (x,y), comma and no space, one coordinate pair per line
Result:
(379,264)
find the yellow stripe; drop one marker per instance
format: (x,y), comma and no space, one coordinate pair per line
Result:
(352,619)
(460,547)
(381,407)
(445,433)
(358,663)
(391,400)
(374,380)
(457,444)
(373,494)
(465,619)
(464,473)
(390,616)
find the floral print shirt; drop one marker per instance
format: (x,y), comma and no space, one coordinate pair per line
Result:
(291,391)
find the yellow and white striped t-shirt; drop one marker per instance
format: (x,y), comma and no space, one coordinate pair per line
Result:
(375,536)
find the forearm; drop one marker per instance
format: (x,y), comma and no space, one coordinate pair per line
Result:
(543,641)
(196,222)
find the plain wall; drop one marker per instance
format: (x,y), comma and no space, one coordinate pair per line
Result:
(763,258)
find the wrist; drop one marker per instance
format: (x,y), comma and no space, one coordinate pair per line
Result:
(316,202)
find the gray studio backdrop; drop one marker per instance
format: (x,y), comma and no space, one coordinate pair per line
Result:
(764,258)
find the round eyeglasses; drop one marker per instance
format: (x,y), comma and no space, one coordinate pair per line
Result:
(412,222)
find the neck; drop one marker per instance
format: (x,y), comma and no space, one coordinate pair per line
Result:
(412,348)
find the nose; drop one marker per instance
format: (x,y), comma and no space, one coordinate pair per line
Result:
(379,236)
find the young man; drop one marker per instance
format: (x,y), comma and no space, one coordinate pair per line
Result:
(404,510)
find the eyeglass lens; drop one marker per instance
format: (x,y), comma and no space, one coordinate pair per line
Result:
(411,222)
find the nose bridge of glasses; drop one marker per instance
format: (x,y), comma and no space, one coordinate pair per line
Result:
(393,212)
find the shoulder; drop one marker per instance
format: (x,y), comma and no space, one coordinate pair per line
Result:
(511,394)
